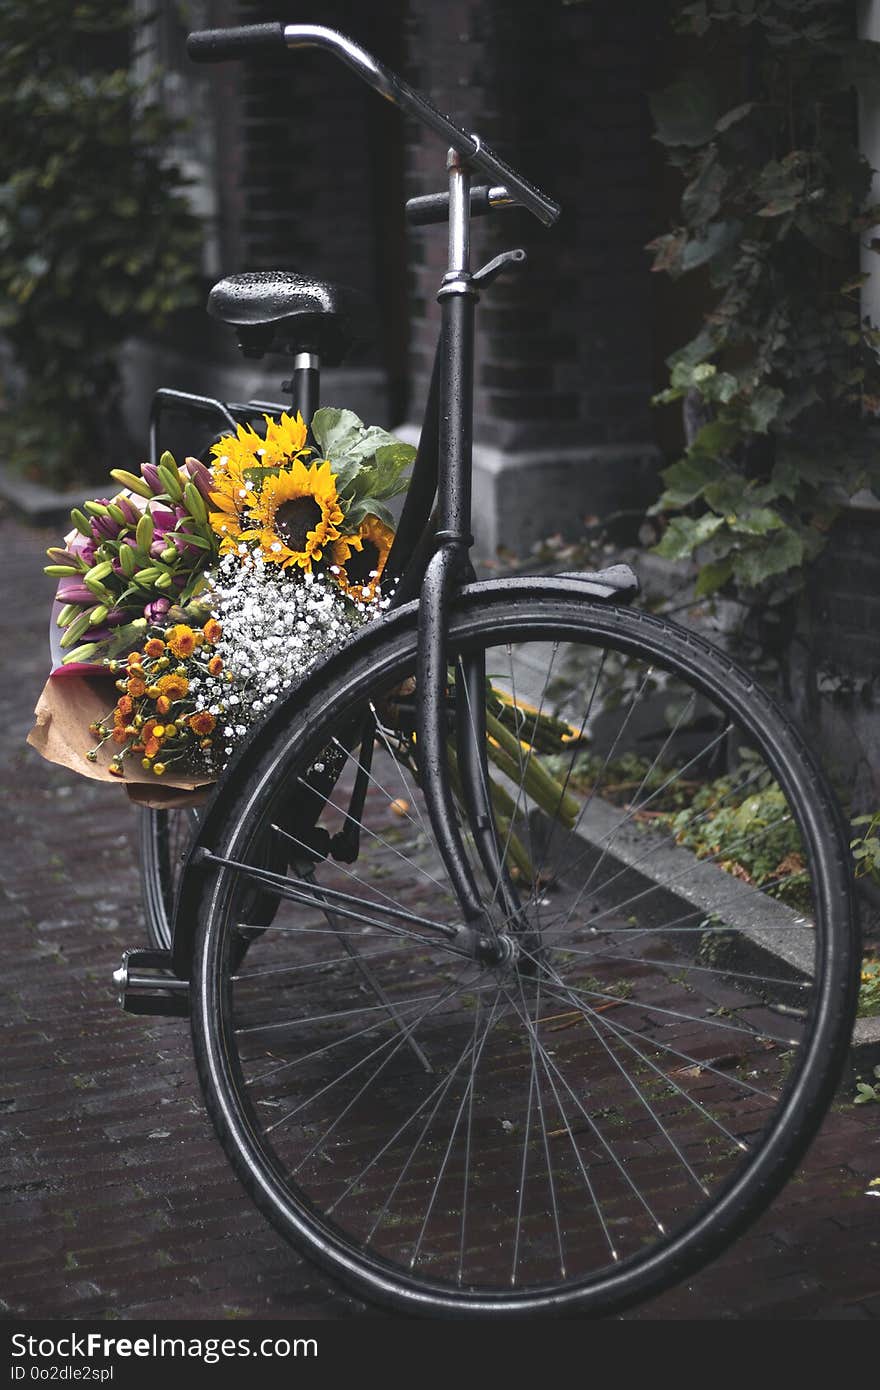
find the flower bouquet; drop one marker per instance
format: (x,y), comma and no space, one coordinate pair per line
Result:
(195,597)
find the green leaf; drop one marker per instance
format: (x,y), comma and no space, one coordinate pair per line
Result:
(718,237)
(685,481)
(684,534)
(702,197)
(367,506)
(686,111)
(737,113)
(334,429)
(764,407)
(713,576)
(758,563)
(757,522)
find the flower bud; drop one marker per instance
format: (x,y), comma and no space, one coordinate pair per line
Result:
(129,480)
(84,653)
(144,532)
(151,478)
(81,522)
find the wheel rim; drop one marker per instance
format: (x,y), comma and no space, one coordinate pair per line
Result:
(585,1117)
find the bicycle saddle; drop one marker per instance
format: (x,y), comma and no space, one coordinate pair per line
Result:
(280,311)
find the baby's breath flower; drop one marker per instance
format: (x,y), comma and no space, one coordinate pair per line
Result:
(274,628)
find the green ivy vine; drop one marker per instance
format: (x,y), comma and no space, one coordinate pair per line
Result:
(782,382)
(97,241)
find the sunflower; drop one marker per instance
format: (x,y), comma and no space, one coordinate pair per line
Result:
(233,497)
(296,515)
(284,440)
(361,558)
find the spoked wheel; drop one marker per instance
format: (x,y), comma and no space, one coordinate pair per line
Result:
(163,840)
(605,1099)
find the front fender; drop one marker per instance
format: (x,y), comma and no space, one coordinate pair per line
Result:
(614,585)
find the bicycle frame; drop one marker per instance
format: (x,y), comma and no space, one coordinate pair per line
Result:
(431,552)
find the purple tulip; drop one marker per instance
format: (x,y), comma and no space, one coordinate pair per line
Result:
(155,612)
(150,475)
(163,520)
(202,477)
(71,591)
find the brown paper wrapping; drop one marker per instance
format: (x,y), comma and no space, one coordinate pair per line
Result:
(68,704)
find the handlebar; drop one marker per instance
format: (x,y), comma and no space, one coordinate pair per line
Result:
(253,40)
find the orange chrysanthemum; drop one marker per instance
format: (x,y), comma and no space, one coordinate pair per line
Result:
(173,687)
(181,640)
(202,722)
(136,687)
(155,647)
(212,631)
(163,704)
(215,665)
(125,705)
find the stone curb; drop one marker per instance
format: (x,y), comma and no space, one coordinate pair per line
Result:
(692,884)
(39,505)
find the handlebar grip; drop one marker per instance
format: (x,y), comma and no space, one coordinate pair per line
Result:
(434,207)
(245,41)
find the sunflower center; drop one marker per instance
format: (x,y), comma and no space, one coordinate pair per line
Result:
(361,563)
(294,520)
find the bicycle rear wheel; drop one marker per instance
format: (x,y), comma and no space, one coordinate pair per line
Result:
(163,840)
(585,1121)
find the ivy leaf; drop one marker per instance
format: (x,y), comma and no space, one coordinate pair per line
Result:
(684,534)
(685,481)
(714,439)
(764,407)
(702,197)
(685,112)
(713,576)
(737,113)
(756,522)
(667,251)
(718,237)
(752,566)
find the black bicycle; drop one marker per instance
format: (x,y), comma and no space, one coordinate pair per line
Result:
(485,1019)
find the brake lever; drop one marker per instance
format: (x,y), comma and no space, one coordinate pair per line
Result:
(500,265)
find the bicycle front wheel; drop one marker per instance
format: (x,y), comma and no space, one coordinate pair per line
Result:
(600,1107)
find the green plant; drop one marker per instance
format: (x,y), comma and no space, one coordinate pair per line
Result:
(96,238)
(866,1092)
(866,847)
(780,378)
(869,989)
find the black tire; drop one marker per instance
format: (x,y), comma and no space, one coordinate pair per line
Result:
(164,838)
(615,1131)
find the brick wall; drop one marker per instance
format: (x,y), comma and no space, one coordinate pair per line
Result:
(560,90)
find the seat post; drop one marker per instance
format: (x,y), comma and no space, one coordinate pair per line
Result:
(306,384)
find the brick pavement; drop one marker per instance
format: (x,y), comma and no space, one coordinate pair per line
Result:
(115,1200)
